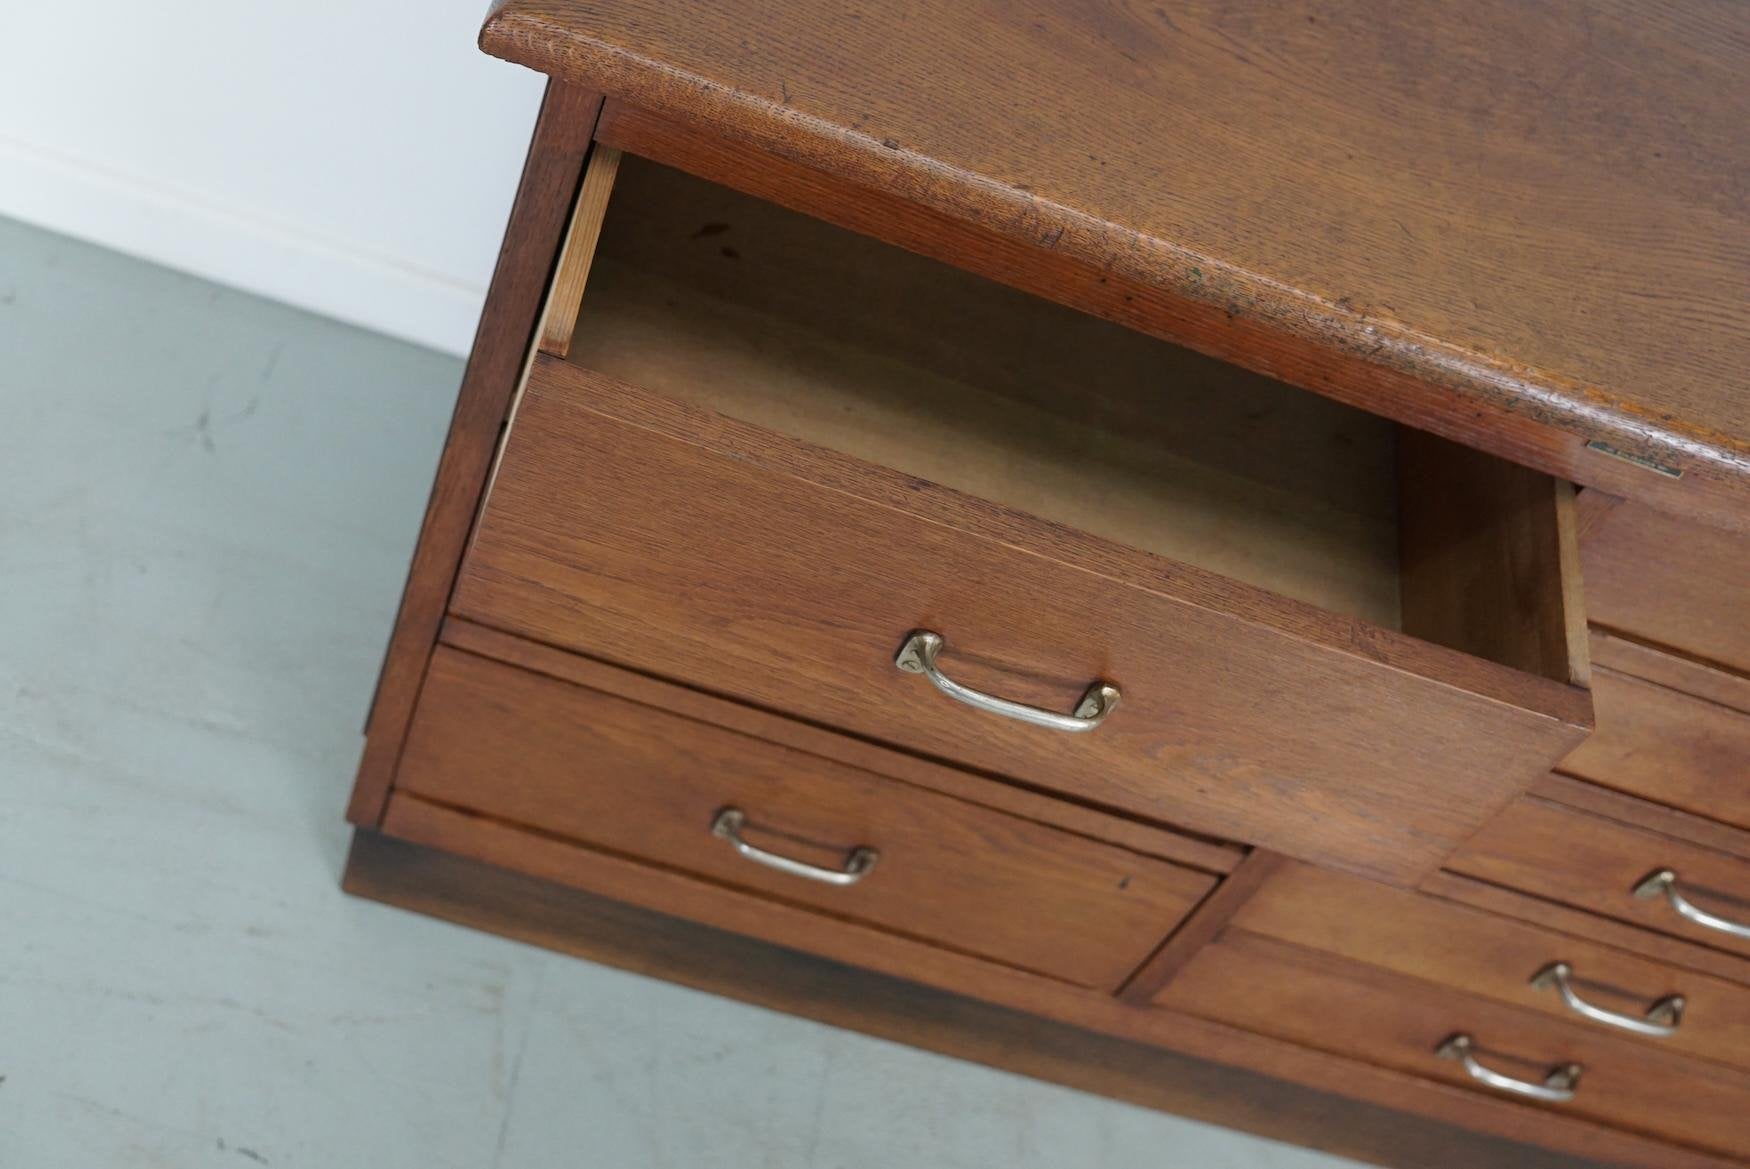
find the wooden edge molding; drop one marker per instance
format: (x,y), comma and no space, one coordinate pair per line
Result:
(562,140)
(1207,920)
(1478,414)
(577,253)
(1207,1071)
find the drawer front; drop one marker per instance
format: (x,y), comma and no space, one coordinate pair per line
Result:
(1597,864)
(1500,959)
(1623,655)
(622,776)
(1363,1012)
(721,555)
(1668,747)
(1667,580)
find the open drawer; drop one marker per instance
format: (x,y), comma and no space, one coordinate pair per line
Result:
(774,450)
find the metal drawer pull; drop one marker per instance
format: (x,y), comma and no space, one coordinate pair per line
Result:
(1558,1086)
(1662,1017)
(1665,881)
(918,656)
(729,822)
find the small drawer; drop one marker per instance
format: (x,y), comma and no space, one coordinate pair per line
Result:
(618,775)
(1667,746)
(1609,867)
(1667,580)
(1351,1009)
(775,450)
(1513,962)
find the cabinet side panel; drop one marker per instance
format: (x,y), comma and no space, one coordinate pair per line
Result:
(537,223)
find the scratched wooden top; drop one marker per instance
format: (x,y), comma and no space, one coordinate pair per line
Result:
(1536,210)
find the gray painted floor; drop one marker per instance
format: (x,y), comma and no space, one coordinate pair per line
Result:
(206,506)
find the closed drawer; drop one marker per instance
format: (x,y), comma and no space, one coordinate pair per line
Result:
(1667,746)
(621,776)
(1604,866)
(1506,961)
(1351,1009)
(1674,671)
(1667,580)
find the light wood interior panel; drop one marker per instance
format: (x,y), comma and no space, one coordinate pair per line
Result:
(719,299)
(712,297)
(1490,559)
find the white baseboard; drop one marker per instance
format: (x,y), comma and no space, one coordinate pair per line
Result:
(235,247)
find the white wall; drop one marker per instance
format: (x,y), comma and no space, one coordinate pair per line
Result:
(353,157)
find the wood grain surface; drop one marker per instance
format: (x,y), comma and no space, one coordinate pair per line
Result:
(1625,655)
(1589,862)
(1515,227)
(1196,1068)
(1489,559)
(1668,747)
(1595,800)
(1212,915)
(1350,1009)
(1683,585)
(1480,953)
(693,547)
(1209,856)
(506,334)
(1510,903)
(577,252)
(1203,1070)
(590,766)
(1534,214)
(729,302)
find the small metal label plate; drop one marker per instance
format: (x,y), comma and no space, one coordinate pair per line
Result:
(1641,461)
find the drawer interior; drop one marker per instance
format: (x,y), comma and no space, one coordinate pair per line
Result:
(713,297)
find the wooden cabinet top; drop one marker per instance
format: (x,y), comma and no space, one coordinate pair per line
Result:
(1530,214)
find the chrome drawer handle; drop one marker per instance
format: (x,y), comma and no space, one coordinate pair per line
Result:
(1558,1086)
(858,862)
(1662,1017)
(1665,881)
(918,656)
